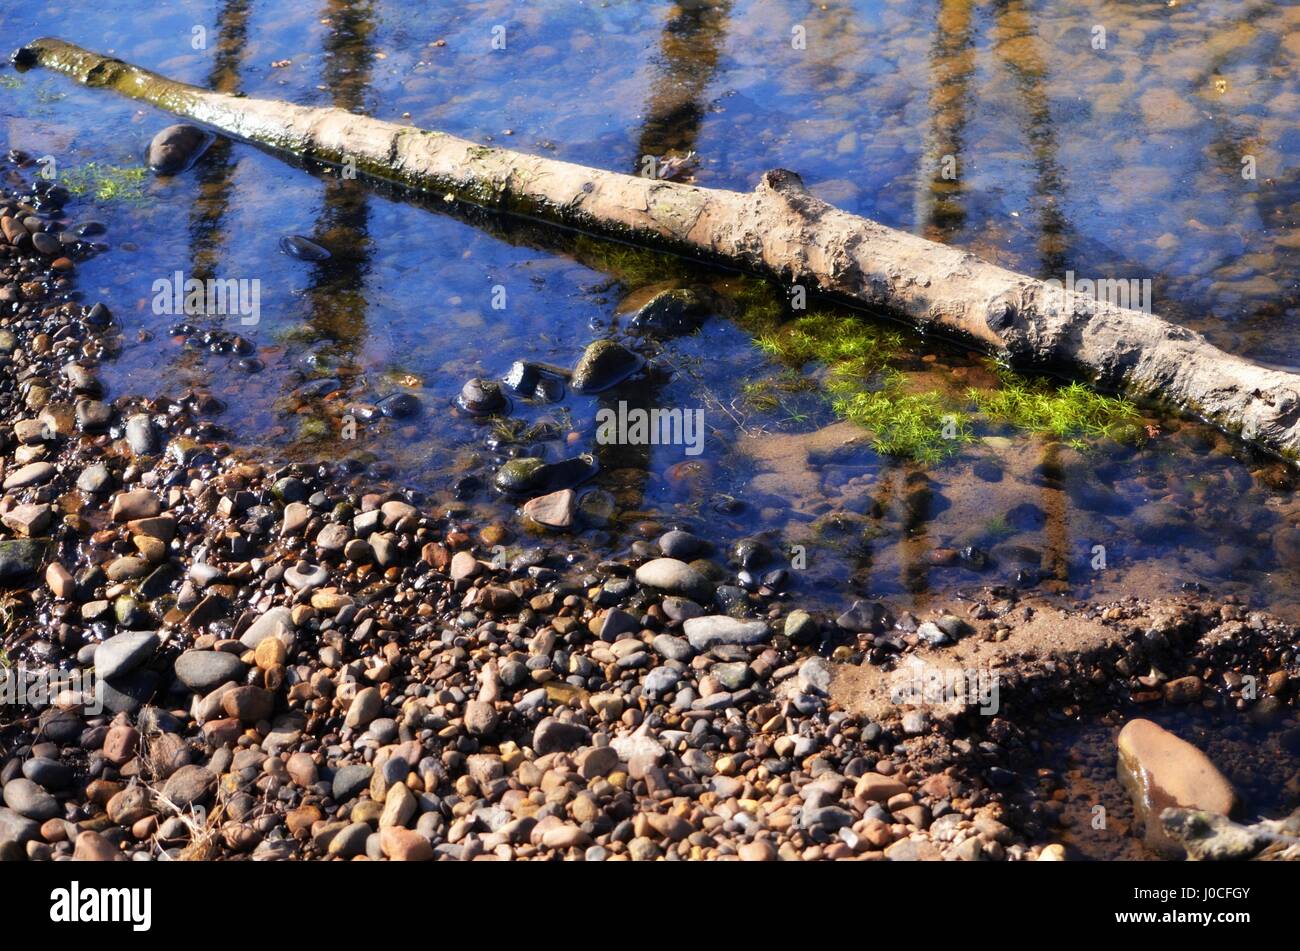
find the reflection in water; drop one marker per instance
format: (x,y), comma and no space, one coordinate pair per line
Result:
(215,172)
(336,292)
(1017,44)
(689,50)
(940,213)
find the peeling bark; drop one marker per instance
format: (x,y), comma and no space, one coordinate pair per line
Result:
(779,229)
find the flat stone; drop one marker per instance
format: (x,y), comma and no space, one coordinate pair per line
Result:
(201,671)
(35,473)
(277,621)
(28,520)
(190,786)
(556,736)
(711,630)
(555,510)
(123,653)
(674,577)
(139,503)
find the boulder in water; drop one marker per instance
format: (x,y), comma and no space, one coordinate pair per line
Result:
(604,364)
(176,148)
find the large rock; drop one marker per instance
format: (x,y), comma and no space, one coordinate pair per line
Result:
(177,147)
(714,629)
(1161,771)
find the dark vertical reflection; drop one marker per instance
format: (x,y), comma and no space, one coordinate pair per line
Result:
(689,50)
(941,212)
(335,294)
(1017,45)
(216,172)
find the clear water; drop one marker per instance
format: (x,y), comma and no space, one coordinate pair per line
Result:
(1122,162)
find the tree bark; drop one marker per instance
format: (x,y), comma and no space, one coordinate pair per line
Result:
(779,230)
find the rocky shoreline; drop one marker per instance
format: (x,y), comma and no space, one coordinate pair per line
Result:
(297,664)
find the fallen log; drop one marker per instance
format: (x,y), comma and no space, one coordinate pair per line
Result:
(778,230)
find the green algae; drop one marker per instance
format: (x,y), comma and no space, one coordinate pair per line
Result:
(931,425)
(107,183)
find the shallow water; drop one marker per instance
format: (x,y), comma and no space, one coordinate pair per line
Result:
(1123,162)
(1077,768)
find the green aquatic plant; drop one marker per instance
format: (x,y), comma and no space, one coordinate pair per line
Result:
(832,340)
(107,183)
(916,425)
(921,426)
(1072,412)
(10,82)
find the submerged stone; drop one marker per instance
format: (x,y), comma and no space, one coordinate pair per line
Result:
(296,246)
(177,147)
(529,475)
(604,364)
(669,313)
(480,397)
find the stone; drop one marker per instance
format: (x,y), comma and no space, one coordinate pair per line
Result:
(201,671)
(555,510)
(556,736)
(190,786)
(463,566)
(140,435)
(480,717)
(249,704)
(28,799)
(93,847)
(604,364)
(176,148)
(21,557)
(674,577)
(800,627)
(35,473)
(1159,770)
(365,707)
(874,787)
(705,633)
(350,780)
(278,621)
(405,845)
(28,520)
(123,653)
(139,503)
(399,807)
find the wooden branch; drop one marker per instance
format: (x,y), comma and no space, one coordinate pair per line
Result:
(778,230)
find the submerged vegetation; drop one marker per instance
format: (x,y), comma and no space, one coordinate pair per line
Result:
(929,425)
(103,182)
(1072,412)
